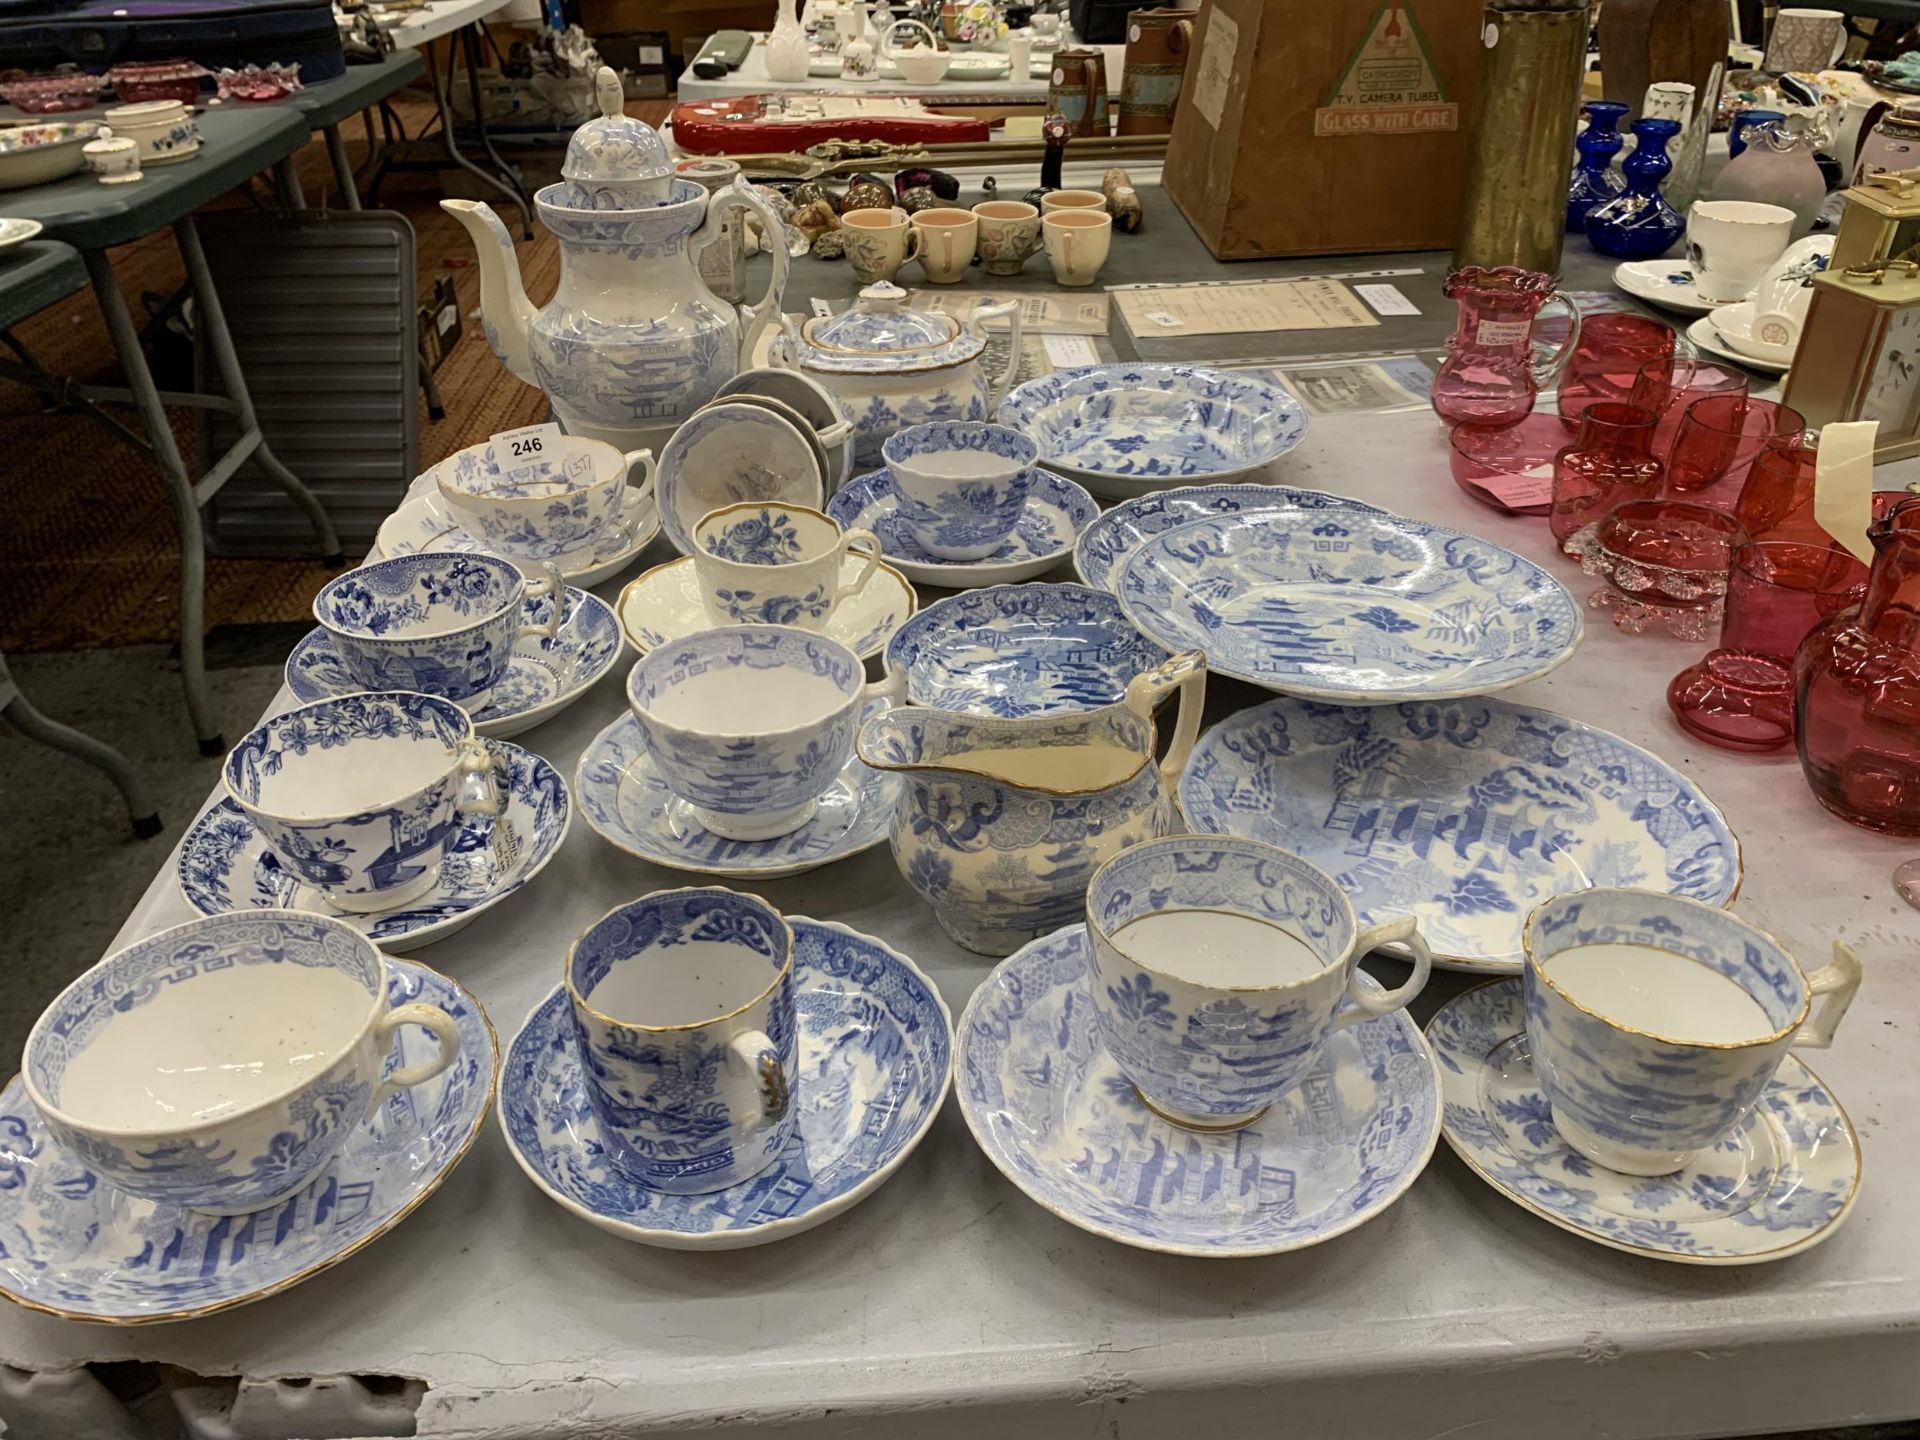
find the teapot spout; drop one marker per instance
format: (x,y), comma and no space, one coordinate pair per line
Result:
(505,311)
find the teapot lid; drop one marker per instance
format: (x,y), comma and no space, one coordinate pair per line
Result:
(617,153)
(881,333)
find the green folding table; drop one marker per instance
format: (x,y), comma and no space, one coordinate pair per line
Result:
(355,93)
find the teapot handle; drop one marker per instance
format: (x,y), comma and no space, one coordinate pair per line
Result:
(1548,371)
(765,315)
(1186,672)
(978,325)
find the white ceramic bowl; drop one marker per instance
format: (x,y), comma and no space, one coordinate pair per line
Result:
(39,153)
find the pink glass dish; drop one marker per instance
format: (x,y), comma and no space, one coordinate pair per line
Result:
(1509,467)
(1665,564)
(52,94)
(158,80)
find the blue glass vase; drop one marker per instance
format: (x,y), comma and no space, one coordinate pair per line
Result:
(1639,223)
(1593,181)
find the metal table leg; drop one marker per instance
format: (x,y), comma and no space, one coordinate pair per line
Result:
(470,47)
(287,178)
(442,88)
(343,167)
(103,757)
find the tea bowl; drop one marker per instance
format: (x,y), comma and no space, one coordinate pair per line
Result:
(961,484)
(545,503)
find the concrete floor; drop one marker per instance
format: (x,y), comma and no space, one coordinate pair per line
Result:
(70,869)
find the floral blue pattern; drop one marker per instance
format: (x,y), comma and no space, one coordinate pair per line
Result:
(1056,511)
(1049,1106)
(765,537)
(1781,1184)
(1350,606)
(874,1063)
(1464,815)
(82,1249)
(395,624)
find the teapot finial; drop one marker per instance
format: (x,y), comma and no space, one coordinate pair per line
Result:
(607,90)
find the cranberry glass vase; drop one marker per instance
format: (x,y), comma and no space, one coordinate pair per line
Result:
(1610,460)
(1490,376)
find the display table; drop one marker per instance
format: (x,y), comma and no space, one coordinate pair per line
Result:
(752,79)
(948,1305)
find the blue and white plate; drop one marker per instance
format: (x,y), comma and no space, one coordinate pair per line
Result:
(628,805)
(876,1057)
(1464,815)
(225,865)
(1013,650)
(1057,510)
(1355,607)
(1054,1113)
(1778,1184)
(426,523)
(1105,544)
(71,1245)
(544,677)
(1126,429)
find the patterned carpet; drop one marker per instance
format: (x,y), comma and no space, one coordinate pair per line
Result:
(89,555)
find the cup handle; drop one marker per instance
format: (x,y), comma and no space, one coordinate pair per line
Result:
(444,1031)
(1186,672)
(1405,932)
(914,247)
(547,585)
(643,486)
(1839,982)
(753,1052)
(870,544)
(479,791)
(1545,373)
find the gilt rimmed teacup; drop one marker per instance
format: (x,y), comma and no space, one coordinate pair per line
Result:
(219,1065)
(960,485)
(1218,970)
(545,503)
(777,564)
(358,796)
(442,624)
(1730,244)
(1655,1022)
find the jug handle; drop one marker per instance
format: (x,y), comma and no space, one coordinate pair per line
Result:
(1186,672)
(978,325)
(765,315)
(1548,371)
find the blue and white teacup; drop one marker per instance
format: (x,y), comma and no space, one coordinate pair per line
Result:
(220,1064)
(1218,969)
(546,503)
(441,624)
(777,564)
(961,484)
(358,796)
(683,1007)
(749,725)
(1655,1022)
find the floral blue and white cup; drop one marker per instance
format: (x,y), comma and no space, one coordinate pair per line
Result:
(543,503)
(1219,966)
(961,485)
(1655,1022)
(441,624)
(683,1008)
(749,725)
(777,564)
(220,1064)
(358,796)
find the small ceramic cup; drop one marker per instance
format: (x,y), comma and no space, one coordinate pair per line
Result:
(1785,293)
(547,502)
(879,242)
(441,624)
(749,725)
(1218,970)
(1072,200)
(220,1064)
(1730,244)
(948,238)
(777,564)
(357,796)
(1077,242)
(1009,233)
(114,160)
(683,1008)
(1655,1022)
(960,485)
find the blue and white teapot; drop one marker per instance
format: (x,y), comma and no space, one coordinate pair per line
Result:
(633,341)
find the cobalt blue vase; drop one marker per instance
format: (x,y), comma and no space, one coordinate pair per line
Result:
(1639,223)
(1593,181)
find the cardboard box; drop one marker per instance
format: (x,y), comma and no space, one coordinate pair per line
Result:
(1313,129)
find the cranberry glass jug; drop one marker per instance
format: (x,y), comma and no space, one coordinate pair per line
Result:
(1857,690)
(1490,376)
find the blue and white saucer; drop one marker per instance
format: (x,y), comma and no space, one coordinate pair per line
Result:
(1350,606)
(1779,1184)
(876,1057)
(1464,815)
(628,805)
(544,677)
(1057,511)
(225,865)
(425,522)
(1014,650)
(71,1245)
(1053,1112)
(1105,544)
